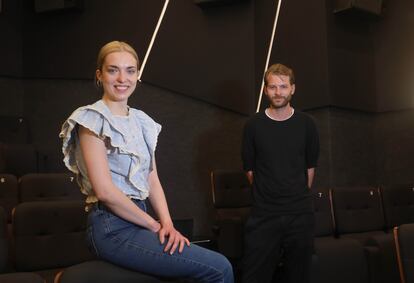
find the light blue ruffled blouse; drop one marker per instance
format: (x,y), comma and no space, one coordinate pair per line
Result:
(130,141)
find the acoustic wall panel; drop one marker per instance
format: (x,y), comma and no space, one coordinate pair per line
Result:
(373,7)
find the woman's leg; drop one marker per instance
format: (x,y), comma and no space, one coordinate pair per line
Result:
(137,248)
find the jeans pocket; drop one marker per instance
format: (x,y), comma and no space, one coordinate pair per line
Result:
(113,224)
(90,241)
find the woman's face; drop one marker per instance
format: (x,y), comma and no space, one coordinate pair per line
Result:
(118,76)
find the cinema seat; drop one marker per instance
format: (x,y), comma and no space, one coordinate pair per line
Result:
(49,187)
(103,272)
(404,240)
(339,260)
(48,236)
(232,200)
(8,193)
(6,274)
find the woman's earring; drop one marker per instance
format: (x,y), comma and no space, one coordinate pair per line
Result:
(98,83)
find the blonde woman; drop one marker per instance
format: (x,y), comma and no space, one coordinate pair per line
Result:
(111,148)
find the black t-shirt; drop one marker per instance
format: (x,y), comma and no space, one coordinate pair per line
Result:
(279,154)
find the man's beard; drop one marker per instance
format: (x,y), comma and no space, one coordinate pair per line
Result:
(282,104)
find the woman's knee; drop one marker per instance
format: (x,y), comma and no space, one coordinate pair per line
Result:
(223,268)
(228,271)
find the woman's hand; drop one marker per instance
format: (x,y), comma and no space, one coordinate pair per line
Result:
(175,239)
(155,227)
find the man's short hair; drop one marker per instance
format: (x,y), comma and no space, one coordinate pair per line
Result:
(278,70)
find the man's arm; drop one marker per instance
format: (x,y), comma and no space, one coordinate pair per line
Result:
(249,175)
(248,152)
(311,175)
(312,151)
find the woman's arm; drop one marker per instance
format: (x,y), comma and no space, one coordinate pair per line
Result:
(159,204)
(94,154)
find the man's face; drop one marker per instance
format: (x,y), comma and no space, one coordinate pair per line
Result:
(278,90)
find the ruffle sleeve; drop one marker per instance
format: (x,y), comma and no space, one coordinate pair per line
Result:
(98,119)
(150,131)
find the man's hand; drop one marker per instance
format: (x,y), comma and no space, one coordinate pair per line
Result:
(249,175)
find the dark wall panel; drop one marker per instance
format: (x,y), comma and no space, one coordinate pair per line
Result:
(11,66)
(394,141)
(11,38)
(12,96)
(371,59)
(65,44)
(301,43)
(324,174)
(394,56)
(353,151)
(204,53)
(351,60)
(264,16)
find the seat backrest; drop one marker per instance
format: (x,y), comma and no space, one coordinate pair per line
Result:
(8,193)
(232,195)
(357,209)
(4,251)
(230,189)
(398,201)
(19,159)
(404,235)
(14,129)
(232,199)
(49,234)
(49,186)
(324,221)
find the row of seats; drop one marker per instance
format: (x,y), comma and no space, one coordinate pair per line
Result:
(48,244)
(353,239)
(37,187)
(44,239)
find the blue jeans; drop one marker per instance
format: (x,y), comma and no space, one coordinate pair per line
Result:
(125,244)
